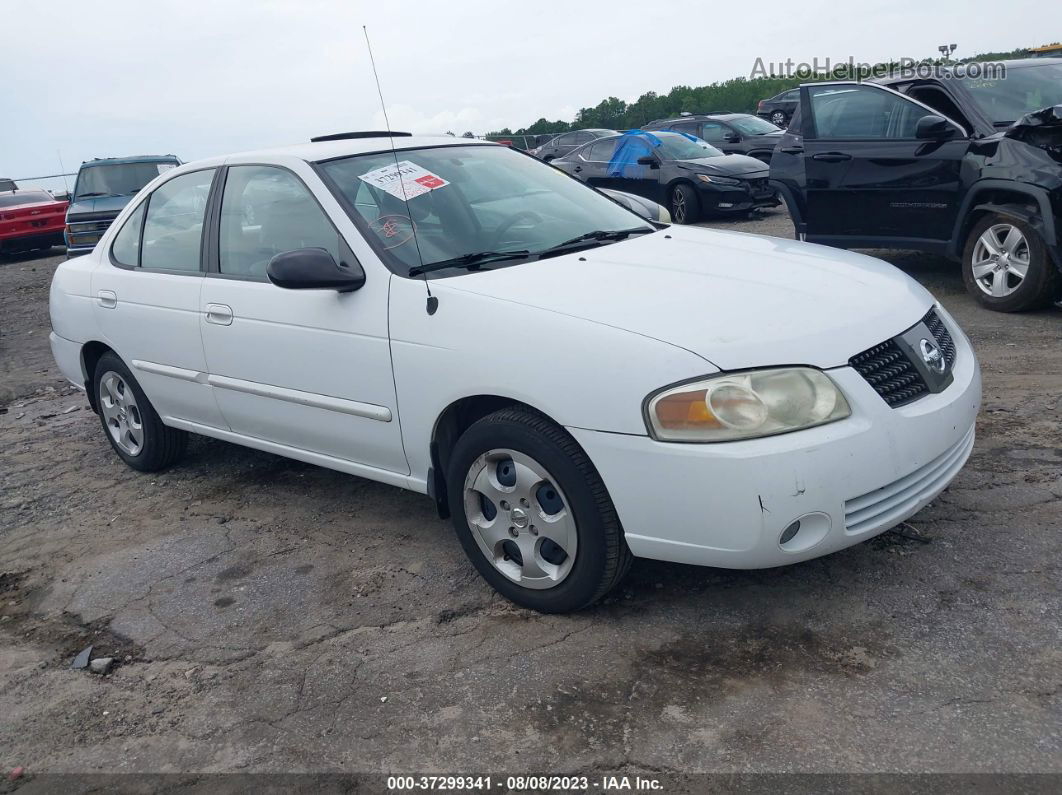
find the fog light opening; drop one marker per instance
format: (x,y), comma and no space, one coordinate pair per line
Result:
(789,533)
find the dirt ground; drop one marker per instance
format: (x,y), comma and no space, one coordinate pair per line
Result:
(268,615)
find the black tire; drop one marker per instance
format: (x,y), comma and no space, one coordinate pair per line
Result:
(548,159)
(1042,283)
(779,119)
(684,206)
(602,559)
(162,446)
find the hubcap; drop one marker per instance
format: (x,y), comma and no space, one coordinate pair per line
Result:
(121,414)
(520,518)
(1000,260)
(778,119)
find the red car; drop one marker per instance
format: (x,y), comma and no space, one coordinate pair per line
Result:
(30,219)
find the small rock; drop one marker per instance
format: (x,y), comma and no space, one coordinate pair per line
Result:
(71,410)
(82,659)
(158,710)
(20,415)
(101,665)
(16,773)
(190,673)
(383,699)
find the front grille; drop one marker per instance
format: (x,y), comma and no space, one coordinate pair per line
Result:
(941,335)
(885,507)
(889,369)
(886,368)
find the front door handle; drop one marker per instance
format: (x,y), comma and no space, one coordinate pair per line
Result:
(791,150)
(219,314)
(108,299)
(831,157)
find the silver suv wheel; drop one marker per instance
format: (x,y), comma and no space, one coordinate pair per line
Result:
(1000,260)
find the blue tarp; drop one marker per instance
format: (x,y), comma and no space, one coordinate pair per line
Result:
(632,145)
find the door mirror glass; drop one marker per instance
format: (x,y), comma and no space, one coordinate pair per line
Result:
(934,127)
(313,269)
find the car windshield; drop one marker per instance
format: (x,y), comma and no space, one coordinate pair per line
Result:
(25,197)
(116,179)
(467,200)
(674,146)
(753,125)
(1022,91)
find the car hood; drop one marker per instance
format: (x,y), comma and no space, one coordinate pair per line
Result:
(98,206)
(735,299)
(734,165)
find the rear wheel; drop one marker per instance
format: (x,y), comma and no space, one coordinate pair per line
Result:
(1007,267)
(778,119)
(532,514)
(131,424)
(684,208)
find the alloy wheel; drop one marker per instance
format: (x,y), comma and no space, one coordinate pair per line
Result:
(778,119)
(1000,260)
(121,413)
(520,519)
(678,207)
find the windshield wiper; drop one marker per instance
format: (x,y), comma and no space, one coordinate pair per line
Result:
(595,237)
(95,195)
(469,261)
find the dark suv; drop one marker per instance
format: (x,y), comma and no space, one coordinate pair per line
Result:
(567,142)
(778,110)
(964,167)
(732,133)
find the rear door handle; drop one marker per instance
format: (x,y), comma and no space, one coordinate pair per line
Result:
(831,157)
(108,299)
(219,314)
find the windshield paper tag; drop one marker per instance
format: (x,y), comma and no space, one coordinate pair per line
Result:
(164,167)
(414,180)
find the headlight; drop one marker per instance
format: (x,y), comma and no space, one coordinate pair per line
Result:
(718,180)
(745,405)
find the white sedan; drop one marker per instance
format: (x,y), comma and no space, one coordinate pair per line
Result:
(575,385)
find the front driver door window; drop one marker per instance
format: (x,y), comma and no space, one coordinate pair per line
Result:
(306,369)
(868,177)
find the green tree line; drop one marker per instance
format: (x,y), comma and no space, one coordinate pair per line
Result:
(739,94)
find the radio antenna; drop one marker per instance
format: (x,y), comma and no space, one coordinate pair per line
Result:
(433,302)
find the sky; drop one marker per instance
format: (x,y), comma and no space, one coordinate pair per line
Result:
(197,79)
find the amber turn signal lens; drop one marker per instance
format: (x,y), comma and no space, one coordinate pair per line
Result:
(683,410)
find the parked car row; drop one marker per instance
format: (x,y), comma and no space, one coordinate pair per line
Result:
(575,385)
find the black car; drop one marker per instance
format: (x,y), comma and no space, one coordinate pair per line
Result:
(732,133)
(567,142)
(685,174)
(967,167)
(778,110)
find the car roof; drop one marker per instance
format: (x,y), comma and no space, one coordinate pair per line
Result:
(107,161)
(1019,63)
(316,152)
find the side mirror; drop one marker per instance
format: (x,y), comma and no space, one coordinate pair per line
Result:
(934,127)
(648,160)
(313,269)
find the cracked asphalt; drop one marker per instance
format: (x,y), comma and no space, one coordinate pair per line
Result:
(271,616)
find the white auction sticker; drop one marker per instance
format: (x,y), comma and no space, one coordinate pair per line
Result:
(404,180)
(164,167)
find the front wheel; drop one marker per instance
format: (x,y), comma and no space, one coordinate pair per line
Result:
(532,513)
(1007,267)
(132,425)
(685,209)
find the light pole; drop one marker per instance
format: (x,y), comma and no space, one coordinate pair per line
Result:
(946,50)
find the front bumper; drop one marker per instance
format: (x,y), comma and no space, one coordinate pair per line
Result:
(736,198)
(727,505)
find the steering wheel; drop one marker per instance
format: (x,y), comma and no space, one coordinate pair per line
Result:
(499,233)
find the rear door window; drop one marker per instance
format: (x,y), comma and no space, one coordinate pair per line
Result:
(173,226)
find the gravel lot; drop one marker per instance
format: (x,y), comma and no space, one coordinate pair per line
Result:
(272,616)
